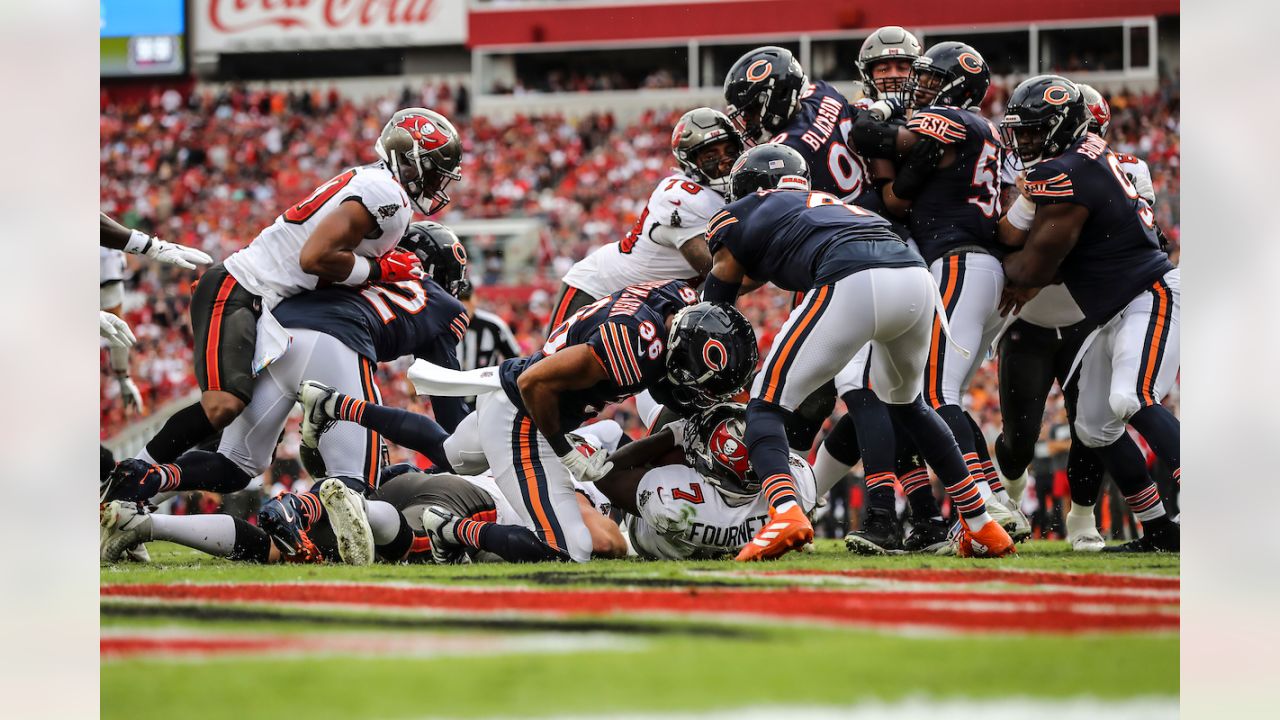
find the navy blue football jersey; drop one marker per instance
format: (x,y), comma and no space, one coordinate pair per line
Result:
(1118,254)
(385,321)
(959,204)
(817,131)
(627,331)
(801,240)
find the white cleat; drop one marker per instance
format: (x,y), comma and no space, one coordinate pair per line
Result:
(123,528)
(1012,520)
(1082,532)
(350,521)
(439,525)
(318,411)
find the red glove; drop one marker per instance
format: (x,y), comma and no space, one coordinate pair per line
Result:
(395,266)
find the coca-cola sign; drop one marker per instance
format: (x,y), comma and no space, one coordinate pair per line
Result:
(257,25)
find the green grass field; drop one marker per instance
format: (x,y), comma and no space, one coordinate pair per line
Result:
(606,637)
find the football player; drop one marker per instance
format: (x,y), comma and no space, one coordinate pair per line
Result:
(862,284)
(884,62)
(690,491)
(345,232)
(667,241)
(1038,348)
(339,334)
(654,336)
(115,236)
(770,99)
(947,186)
(1084,221)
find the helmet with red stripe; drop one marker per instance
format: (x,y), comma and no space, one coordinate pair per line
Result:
(423,152)
(1098,108)
(715,446)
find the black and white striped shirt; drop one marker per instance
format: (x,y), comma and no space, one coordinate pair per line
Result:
(488,341)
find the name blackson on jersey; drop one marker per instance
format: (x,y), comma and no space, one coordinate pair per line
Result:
(684,516)
(681,208)
(269,267)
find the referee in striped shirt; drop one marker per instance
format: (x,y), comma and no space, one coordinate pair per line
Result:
(489,339)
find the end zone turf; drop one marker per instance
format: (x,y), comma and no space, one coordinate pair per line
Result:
(821,628)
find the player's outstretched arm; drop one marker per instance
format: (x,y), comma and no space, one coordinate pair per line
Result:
(118,237)
(695,252)
(725,278)
(1053,234)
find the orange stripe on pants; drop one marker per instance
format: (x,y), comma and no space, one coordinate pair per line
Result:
(775,373)
(933,388)
(375,440)
(1150,364)
(530,480)
(215,333)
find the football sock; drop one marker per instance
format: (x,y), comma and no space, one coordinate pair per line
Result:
(181,431)
(307,505)
(1162,431)
(1080,518)
(880,490)
(827,470)
(510,542)
(1085,473)
(842,442)
(935,442)
(989,474)
(767,447)
(876,439)
(399,546)
(216,535)
(402,427)
(384,521)
(914,478)
(1127,466)
(203,470)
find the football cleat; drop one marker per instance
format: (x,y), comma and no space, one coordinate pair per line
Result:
(927,536)
(1013,521)
(990,541)
(445,548)
(132,480)
(349,519)
(880,535)
(124,526)
(281,519)
(1167,538)
(1082,532)
(318,411)
(786,531)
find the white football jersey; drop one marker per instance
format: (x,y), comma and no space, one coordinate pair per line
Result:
(678,203)
(1137,169)
(269,266)
(684,516)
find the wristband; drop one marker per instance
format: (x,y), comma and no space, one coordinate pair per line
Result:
(361,269)
(138,242)
(1021,213)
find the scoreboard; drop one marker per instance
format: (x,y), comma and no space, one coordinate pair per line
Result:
(142,37)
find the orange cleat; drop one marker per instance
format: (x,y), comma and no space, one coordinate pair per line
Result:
(991,541)
(786,531)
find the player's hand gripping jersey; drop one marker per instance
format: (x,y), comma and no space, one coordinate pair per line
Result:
(269,267)
(677,211)
(684,516)
(627,331)
(1118,254)
(960,204)
(818,131)
(801,240)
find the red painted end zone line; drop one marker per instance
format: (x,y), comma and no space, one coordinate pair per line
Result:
(1011,577)
(1047,612)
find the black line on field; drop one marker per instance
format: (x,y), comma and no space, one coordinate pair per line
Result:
(253,614)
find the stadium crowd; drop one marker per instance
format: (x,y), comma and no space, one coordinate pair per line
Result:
(211,169)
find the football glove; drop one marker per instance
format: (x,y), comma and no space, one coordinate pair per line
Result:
(175,254)
(115,330)
(395,266)
(130,394)
(587,469)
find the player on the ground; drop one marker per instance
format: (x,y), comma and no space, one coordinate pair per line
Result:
(339,334)
(862,284)
(690,490)
(947,187)
(1089,225)
(653,336)
(345,233)
(666,242)
(1039,348)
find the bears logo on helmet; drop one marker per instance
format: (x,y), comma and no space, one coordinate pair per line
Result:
(1056,95)
(758,70)
(970,62)
(714,354)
